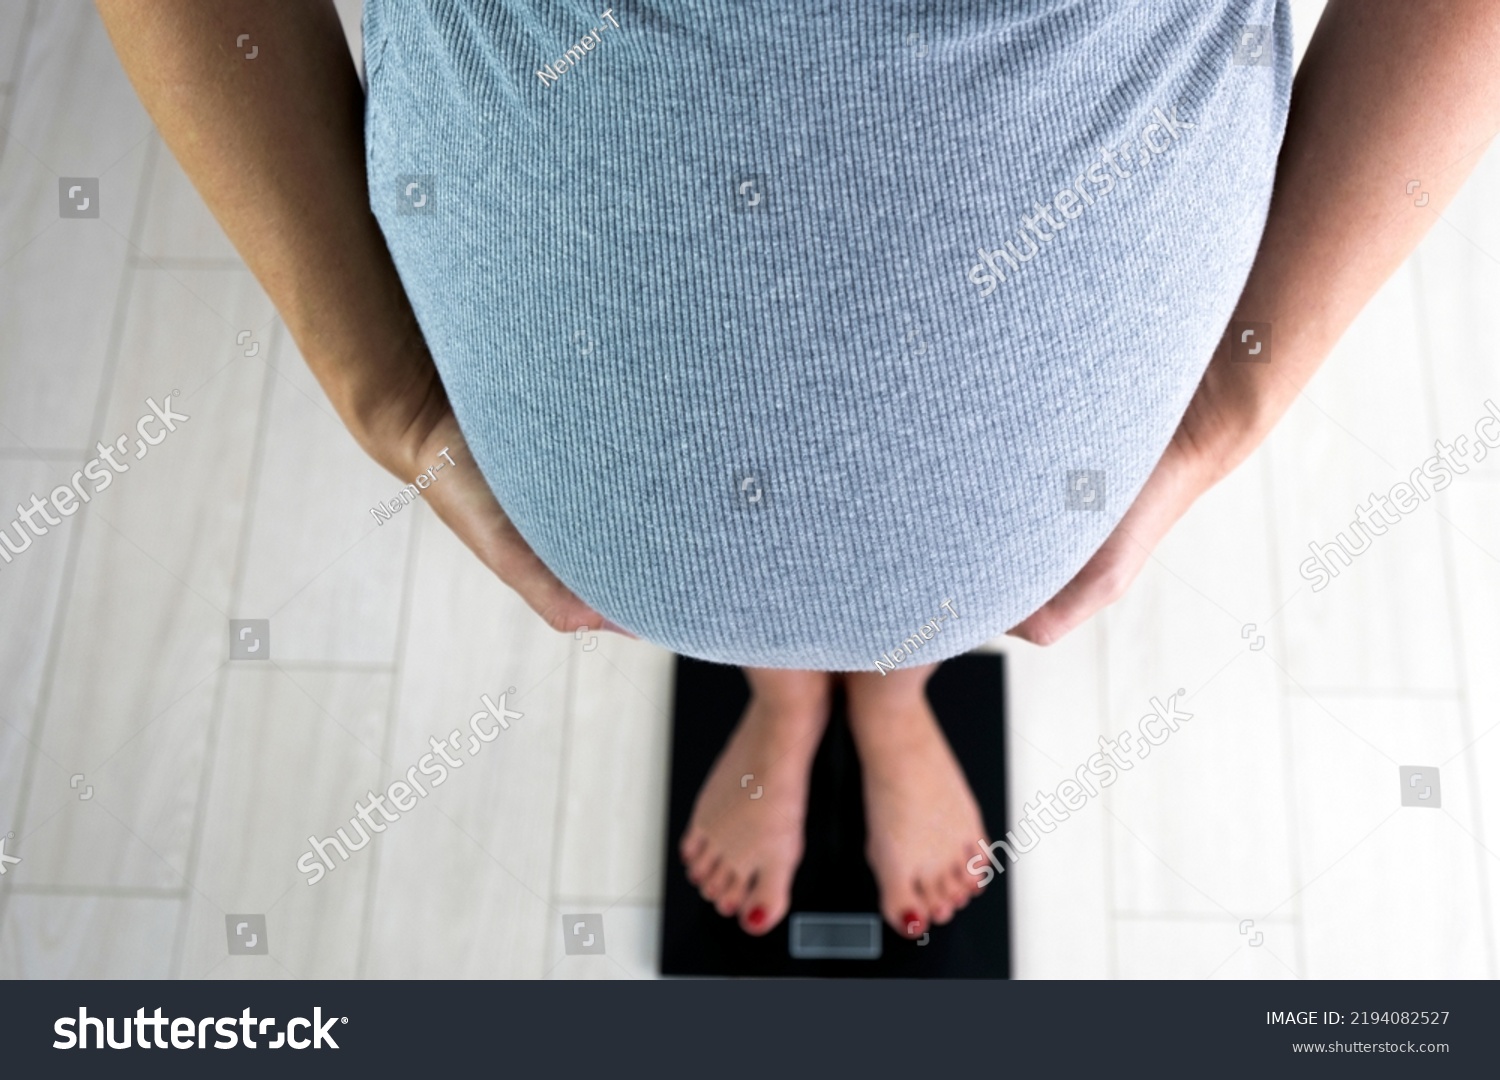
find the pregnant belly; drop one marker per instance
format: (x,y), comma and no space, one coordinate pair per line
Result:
(785,372)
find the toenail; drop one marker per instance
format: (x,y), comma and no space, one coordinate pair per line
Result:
(913,923)
(757,917)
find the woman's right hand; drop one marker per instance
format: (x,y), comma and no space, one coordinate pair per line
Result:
(462,499)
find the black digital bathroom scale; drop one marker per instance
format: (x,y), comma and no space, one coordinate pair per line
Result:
(834,928)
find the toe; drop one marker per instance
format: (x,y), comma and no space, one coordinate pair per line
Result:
(703,871)
(718,883)
(767,901)
(733,894)
(934,888)
(971,881)
(963,889)
(694,841)
(698,867)
(902,907)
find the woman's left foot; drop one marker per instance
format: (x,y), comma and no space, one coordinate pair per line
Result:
(922,819)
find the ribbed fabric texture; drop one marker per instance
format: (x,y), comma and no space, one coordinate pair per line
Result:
(712,312)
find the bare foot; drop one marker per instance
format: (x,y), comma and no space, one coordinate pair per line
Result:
(921,817)
(744,840)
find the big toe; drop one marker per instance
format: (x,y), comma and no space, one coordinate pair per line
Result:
(902,905)
(766,904)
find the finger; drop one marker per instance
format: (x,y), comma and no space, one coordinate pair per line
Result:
(468,506)
(1102,580)
(1179,477)
(559,607)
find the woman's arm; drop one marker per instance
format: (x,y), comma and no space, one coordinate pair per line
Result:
(275,145)
(1389,91)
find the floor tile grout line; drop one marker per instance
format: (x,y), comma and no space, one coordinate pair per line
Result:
(329,566)
(332,667)
(114,343)
(1335,717)
(564,768)
(1183,878)
(48,455)
(1302,690)
(1455,620)
(23,452)
(105,892)
(221,685)
(1111,936)
(168,263)
(1271,572)
(392,721)
(123,535)
(132,242)
(104,807)
(1283,713)
(318,705)
(117,331)
(160,714)
(16,254)
(1321,873)
(23,47)
(1137,915)
(603,902)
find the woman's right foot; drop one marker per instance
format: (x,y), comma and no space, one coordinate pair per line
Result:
(745,838)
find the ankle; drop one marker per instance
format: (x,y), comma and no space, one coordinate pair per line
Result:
(889,721)
(791,693)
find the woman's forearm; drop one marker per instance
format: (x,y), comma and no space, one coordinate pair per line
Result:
(275,146)
(1390,91)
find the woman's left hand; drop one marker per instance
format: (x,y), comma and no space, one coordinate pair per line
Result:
(1185,471)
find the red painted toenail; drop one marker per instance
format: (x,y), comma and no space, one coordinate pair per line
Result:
(757,916)
(912,922)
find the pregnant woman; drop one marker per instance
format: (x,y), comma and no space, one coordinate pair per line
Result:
(828,340)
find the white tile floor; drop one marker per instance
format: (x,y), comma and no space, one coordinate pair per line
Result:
(1278,803)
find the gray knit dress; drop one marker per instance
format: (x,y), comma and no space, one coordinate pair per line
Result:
(821,335)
